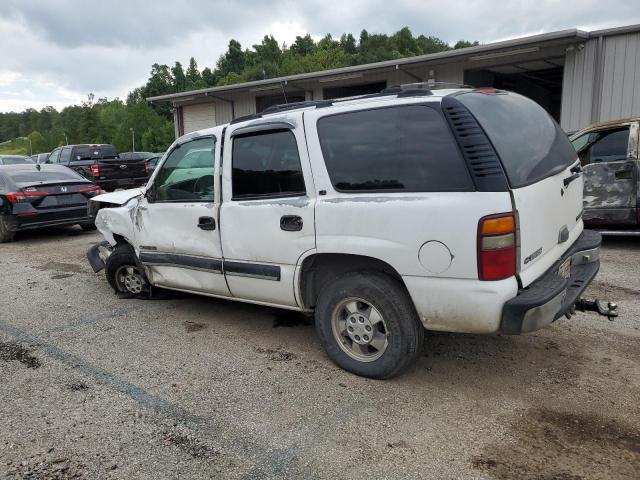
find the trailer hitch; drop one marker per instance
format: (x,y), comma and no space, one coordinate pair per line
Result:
(610,311)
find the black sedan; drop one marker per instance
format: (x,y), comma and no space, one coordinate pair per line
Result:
(34,196)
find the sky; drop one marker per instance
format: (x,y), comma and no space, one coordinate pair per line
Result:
(56,52)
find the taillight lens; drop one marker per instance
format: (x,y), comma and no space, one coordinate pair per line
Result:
(91,190)
(95,170)
(146,168)
(18,197)
(497,247)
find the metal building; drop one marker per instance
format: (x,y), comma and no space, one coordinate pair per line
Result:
(579,77)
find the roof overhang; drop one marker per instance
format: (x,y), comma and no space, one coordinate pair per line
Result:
(499,49)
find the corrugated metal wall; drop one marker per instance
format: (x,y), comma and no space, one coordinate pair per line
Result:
(197,117)
(601,81)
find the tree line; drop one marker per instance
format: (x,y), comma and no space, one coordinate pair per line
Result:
(111,121)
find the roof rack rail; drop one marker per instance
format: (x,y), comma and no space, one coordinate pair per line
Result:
(283,107)
(403,90)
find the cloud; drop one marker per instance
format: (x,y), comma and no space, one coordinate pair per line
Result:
(60,50)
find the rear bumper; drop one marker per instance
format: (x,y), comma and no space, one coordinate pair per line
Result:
(67,216)
(551,296)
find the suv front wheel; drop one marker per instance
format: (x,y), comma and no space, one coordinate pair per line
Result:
(368,325)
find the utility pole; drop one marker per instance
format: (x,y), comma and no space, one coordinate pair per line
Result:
(133,140)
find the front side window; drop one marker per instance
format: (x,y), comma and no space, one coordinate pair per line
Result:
(55,155)
(65,156)
(607,146)
(183,179)
(402,149)
(266,164)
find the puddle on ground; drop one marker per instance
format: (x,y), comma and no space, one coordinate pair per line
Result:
(194,326)
(61,267)
(549,444)
(16,352)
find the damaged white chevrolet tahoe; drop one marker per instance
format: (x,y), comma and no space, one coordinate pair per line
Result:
(455,210)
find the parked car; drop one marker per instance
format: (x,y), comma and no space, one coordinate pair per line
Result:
(34,196)
(102,165)
(152,162)
(40,157)
(454,210)
(608,154)
(14,160)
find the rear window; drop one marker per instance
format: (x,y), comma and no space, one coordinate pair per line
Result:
(402,149)
(89,152)
(529,142)
(23,178)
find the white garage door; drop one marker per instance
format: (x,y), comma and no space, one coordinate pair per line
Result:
(197,117)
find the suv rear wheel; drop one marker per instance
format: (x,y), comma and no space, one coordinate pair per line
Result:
(368,325)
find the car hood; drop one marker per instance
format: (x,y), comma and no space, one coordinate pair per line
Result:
(120,197)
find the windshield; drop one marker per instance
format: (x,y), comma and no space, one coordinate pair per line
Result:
(15,160)
(529,142)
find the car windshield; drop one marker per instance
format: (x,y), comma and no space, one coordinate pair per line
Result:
(16,160)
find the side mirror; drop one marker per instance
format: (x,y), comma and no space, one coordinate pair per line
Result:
(150,194)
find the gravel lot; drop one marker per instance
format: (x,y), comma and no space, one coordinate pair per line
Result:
(100,387)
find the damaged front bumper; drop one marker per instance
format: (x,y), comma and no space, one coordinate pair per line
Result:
(553,295)
(98,254)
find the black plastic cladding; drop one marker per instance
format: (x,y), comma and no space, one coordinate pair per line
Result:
(482,160)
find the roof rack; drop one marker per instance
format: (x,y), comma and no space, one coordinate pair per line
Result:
(404,90)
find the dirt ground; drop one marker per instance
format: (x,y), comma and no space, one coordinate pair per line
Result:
(93,386)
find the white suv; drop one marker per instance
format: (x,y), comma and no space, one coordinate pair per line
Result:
(455,210)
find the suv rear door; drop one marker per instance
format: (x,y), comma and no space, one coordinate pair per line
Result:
(609,157)
(543,174)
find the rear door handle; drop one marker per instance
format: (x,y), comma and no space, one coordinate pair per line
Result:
(291,223)
(207,223)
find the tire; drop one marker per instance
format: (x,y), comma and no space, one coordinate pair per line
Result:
(88,227)
(6,235)
(401,330)
(121,259)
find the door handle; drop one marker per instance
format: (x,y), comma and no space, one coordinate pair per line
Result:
(291,223)
(207,223)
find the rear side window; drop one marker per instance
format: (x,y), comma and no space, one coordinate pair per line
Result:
(266,164)
(90,152)
(529,142)
(407,148)
(65,156)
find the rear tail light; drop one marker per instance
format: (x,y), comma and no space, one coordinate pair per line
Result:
(18,197)
(146,168)
(95,170)
(91,190)
(497,247)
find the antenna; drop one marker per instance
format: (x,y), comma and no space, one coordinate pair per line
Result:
(284,93)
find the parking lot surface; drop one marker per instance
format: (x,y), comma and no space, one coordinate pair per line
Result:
(95,386)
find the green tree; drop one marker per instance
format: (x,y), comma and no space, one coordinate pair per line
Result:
(465,44)
(179,78)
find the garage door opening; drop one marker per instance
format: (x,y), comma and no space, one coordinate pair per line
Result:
(330,93)
(540,81)
(265,101)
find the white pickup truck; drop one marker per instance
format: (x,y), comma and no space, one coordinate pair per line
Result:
(454,210)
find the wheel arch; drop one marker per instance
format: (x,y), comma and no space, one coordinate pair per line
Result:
(318,269)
